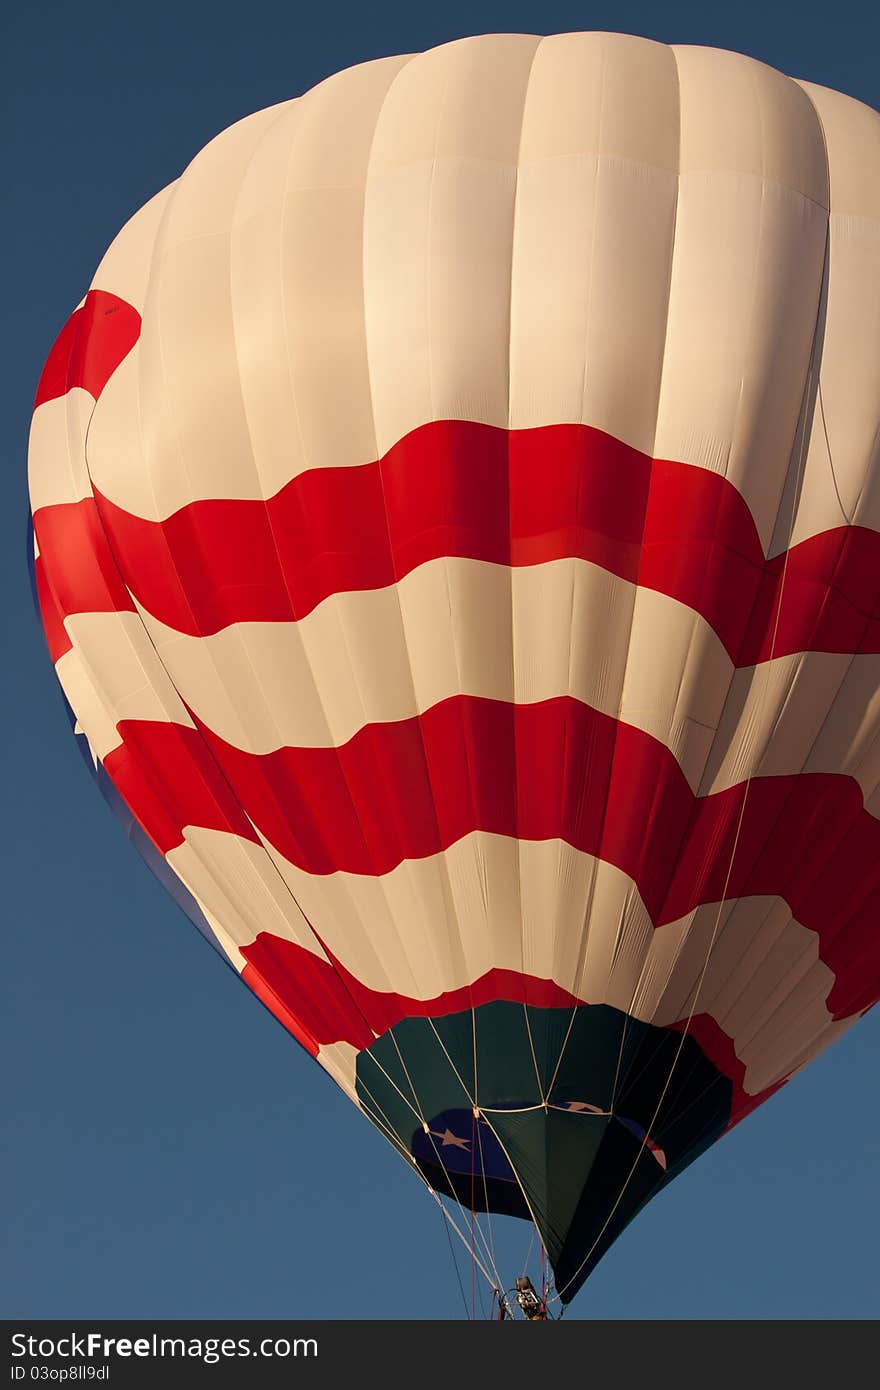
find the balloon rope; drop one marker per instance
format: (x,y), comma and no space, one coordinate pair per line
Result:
(538,1077)
(529,1251)
(419,1112)
(454,1260)
(473,1216)
(385,1128)
(384,1125)
(380,1120)
(485,1114)
(491,1241)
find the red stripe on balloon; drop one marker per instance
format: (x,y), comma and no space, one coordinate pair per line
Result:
(558,769)
(320,1003)
(336,1007)
(76,567)
(511,498)
(465,489)
(308,1002)
(171,781)
(90,346)
(57,639)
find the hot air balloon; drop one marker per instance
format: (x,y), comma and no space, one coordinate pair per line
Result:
(455,510)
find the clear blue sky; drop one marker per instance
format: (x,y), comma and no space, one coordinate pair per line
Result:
(170,1152)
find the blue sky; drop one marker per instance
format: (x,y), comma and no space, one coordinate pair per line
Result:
(169,1150)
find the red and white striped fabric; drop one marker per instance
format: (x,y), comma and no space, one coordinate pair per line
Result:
(456,505)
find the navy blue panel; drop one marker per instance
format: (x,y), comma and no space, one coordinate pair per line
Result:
(590,1112)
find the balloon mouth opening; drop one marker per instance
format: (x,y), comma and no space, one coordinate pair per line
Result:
(571,1119)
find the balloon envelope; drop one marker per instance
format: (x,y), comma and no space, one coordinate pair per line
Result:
(456,517)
